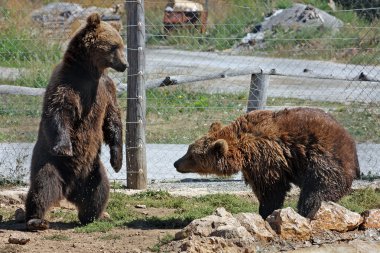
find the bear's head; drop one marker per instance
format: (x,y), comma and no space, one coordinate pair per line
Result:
(213,153)
(100,44)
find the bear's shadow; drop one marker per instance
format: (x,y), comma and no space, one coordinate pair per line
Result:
(158,223)
(16,226)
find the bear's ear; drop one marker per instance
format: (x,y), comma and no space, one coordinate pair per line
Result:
(216,126)
(93,19)
(116,25)
(220,146)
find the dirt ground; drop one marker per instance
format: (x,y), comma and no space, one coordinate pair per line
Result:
(117,240)
(62,238)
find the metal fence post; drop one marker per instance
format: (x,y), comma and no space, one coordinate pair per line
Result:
(136,104)
(258,92)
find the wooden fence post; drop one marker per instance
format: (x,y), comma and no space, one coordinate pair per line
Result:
(136,104)
(258,92)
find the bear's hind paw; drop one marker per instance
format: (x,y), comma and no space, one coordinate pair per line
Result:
(37,224)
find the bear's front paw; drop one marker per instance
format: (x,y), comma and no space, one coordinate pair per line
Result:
(63,149)
(116,158)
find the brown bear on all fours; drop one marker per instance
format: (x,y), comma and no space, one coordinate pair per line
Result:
(303,146)
(80,111)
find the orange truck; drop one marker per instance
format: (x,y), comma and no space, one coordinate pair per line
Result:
(184,14)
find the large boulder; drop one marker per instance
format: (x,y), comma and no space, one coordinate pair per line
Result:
(205,226)
(300,15)
(332,216)
(289,225)
(256,226)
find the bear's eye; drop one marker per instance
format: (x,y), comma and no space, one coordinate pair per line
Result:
(114,47)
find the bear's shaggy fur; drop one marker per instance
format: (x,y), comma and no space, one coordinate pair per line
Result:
(80,111)
(303,146)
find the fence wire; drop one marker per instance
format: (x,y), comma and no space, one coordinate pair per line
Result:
(199,59)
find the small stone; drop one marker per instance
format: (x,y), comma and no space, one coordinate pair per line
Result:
(20,215)
(140,206)
(221,212)
(19,238)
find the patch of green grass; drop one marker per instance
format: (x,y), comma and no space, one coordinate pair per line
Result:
(9,182)
(20,48)
(361,200)
(122,211)
(161,242)
(169,111)
(7,214)
(186,209)
(320,4)
(25,48)
(97,226)
(37,76)
(115,185)
(57,237)
(65,215)
(284,4)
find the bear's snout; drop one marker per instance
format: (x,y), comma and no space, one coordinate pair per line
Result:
(176,164)
(121,67)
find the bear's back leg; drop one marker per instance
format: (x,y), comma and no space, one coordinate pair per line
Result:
(91,195)
(324,181)
(45,190)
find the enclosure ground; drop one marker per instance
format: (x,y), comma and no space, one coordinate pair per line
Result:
(64,236)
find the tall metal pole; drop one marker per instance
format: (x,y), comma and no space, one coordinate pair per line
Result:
(136,104)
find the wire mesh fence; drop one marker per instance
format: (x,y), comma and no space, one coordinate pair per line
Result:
(200,57)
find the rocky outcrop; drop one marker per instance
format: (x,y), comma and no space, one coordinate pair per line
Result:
(300,15)
(332,216)
(297,17)
(284,229)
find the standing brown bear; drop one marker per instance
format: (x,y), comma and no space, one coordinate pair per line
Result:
(80,111)
(303,146)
